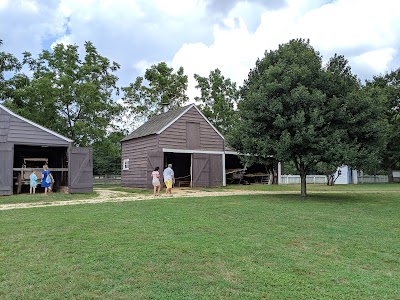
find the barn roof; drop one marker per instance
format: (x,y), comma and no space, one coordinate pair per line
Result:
(159,123)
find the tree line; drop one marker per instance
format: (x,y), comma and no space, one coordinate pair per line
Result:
(290,108)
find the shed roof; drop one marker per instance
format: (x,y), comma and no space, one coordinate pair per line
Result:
(35,124)
(159,123)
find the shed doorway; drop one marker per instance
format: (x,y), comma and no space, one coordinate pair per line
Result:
(182,166)
(28,158)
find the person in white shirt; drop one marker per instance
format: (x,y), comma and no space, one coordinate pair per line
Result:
(155,175)
(169,179)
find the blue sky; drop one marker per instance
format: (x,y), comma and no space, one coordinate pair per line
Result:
(202,35)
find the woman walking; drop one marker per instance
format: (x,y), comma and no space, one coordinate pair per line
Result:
(156,181)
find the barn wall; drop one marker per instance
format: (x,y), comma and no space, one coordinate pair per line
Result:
(174,136)
(21,132)
(136,150)
(216,176)
(25,139)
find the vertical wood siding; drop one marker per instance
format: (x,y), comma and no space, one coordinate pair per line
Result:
(6,166)
(192,135)
(216,170)
(136,150)
(201,170)
(80,170)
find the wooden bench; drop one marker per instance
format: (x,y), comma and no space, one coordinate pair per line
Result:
(184,183)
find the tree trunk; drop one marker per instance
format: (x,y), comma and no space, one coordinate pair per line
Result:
(390,175)
(303,176)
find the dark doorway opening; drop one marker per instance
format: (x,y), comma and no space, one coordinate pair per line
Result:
(181,164)
(28,158)
(237,172)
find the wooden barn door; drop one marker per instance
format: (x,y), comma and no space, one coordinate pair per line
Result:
(6,169)
(201,170)
(216,170)
(192,135)
(80,174)
(154,159)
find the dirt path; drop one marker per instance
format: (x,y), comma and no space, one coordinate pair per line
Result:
(113,196)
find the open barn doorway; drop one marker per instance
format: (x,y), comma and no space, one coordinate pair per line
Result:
(238,172)
(28,158)
(181,164)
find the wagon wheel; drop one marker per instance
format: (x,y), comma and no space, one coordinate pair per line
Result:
(19,183)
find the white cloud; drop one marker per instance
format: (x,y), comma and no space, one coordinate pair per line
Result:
(366,32)
(377,60)
(202,37)
(178,8)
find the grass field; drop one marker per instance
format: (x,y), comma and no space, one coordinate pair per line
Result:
(339,245)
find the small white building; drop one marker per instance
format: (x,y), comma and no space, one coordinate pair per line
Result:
(346,175)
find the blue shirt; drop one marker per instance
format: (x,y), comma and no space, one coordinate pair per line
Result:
(168,173)
(33,179)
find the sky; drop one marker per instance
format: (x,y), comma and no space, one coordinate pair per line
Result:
(202,35)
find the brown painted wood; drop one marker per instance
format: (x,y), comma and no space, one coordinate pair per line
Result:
(22,132)
(216,170)
(201,170)
(136,150)
(192,135)
(175,136)
(80,170)
(154,159)
(6,165)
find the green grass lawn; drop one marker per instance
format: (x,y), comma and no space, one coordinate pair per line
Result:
(342,245)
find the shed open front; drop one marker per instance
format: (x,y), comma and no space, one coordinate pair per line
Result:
(29,158)
(181,164)
(195,168)
(71,167)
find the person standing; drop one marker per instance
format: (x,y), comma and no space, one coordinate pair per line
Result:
(169,179)
(32,182)
(47,179)
(155,175)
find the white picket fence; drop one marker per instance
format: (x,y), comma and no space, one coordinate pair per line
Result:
(373,179)
(310,179)
(318,179)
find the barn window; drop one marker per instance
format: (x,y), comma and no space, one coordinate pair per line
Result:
(125,164)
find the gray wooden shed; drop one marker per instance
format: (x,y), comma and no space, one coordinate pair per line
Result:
(21,138)
(183,137)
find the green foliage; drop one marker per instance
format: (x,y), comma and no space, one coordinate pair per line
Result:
(388,87)
(64,93)
(107,154)
(294,109)
(218,99)
(162,87)
(8,63)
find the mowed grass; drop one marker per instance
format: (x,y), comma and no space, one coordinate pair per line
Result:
(342,245)
(52,197)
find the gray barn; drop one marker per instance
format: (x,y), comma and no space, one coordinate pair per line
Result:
(23,141)
(183,137)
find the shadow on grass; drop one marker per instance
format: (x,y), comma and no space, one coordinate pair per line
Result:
(340,198)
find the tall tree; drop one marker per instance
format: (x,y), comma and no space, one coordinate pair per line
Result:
(160,87)
(218,99)
(388,87)
(8,63)
(294,109)
(107,154)
(71,96)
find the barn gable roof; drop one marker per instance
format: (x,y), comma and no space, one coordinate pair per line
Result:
(161,122)
(35,124)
